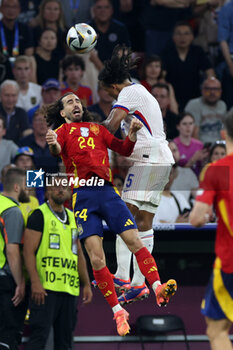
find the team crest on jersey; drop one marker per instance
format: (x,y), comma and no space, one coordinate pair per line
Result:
(84,132)
(95,129)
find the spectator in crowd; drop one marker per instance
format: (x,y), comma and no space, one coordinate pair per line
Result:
(29,93)
(76,11)
(24,159)
(16,119)
(8,148)
(186,181)
(12,282)
(104,106)
(152,73)
(36,141)
(51,230)
(51,92)
(192,152)
(173,206)
(217,151)
(29,11)
(16,38)
(47,65)
(225,38)
(73,68)
(208,111)
(161,92)
(159,18)
(110,32)
(129,12)
(184,63)
(51,17)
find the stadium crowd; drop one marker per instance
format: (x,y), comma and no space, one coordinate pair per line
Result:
(184,55)
(183,50)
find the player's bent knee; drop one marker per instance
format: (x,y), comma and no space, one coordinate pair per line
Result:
(97,262)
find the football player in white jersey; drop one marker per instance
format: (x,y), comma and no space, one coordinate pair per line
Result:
(152,162)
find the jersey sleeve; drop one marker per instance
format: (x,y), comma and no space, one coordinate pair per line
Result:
(208,186)
(61,135)
(36,221)
(123,147)
(128,101)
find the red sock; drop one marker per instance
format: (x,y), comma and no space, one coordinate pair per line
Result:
(105,283)
(147,265)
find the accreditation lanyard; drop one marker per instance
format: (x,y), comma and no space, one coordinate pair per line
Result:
(15,49)
(74,4)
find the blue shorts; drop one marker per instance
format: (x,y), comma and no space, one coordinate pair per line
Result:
(218,301)
(92,205)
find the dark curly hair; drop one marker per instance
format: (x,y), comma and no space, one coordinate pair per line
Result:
(53,116)
(116,70)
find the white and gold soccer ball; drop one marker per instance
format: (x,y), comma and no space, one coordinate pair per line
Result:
(81,38)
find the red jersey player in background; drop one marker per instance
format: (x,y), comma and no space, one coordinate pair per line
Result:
(83,147)
(216,189)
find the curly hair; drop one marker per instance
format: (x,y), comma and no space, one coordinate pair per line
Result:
(116,70)
(53,116)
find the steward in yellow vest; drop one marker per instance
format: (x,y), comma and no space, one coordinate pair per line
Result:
(54,260)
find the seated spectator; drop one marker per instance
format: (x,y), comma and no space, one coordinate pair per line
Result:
(217,151)
(76,11)
(186,181)
(192,152)
(159,18)
(208,111)
(109,31)
(73,68)
(51,17)
(152,74)
(38,144)
(29,93)
(104,106)
(8,148)
(51,92)
(16,38)
(173,206)
(29,10)
(24,159)
(184,64)
(161,92)
(47,65)
(16,119)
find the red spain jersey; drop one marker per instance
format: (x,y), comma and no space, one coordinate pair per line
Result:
(216,187)
(84,149)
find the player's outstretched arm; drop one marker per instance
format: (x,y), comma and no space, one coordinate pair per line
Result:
(54,146)
(200,214)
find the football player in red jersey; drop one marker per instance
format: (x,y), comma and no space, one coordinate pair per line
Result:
(83,148)
(216,188)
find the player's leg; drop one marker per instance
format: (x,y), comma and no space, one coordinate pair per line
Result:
(218,333)
(124,256)
(148,267)
(103,277)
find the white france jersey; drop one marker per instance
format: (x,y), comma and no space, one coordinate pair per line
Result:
(151,145)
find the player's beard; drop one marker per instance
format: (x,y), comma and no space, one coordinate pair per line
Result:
(75,119)
(23,196)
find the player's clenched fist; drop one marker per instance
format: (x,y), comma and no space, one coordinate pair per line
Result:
(51,137)
(134,127)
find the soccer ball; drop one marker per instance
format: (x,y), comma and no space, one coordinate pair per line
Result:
(81,38)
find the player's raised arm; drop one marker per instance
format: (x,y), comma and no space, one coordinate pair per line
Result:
(114,119)
(54,146)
